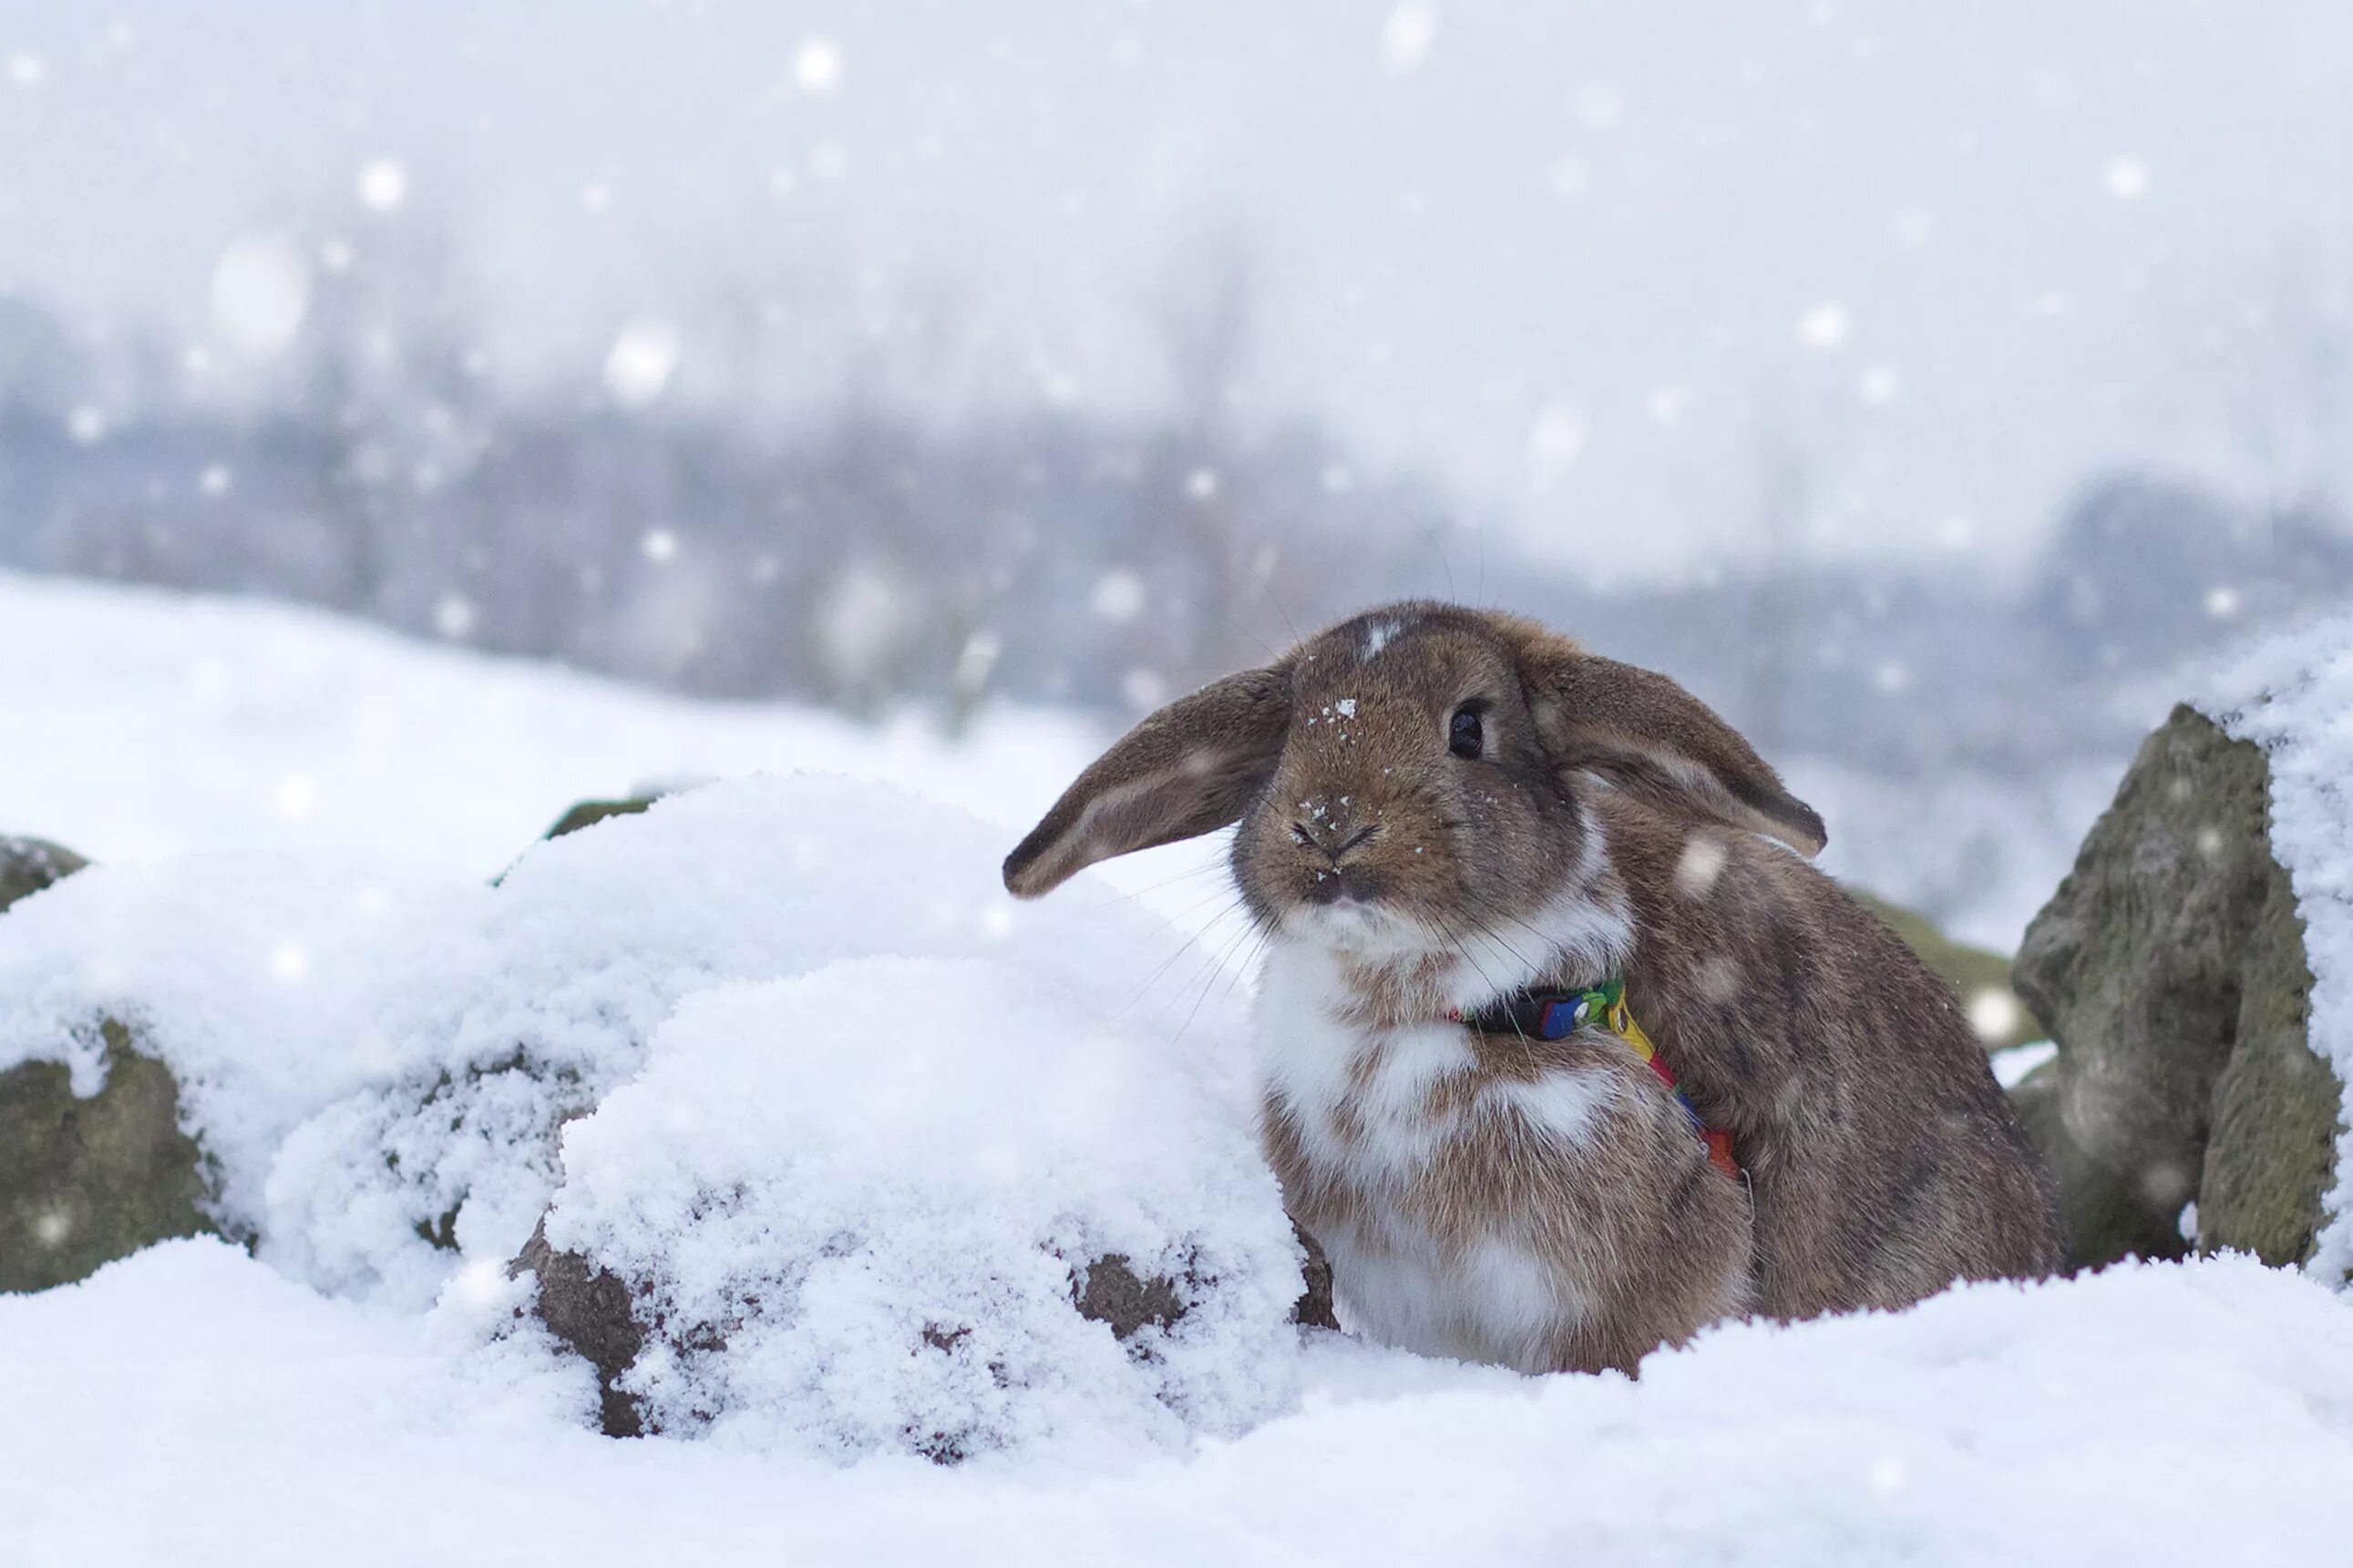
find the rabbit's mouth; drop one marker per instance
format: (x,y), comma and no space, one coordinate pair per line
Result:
(1358,924)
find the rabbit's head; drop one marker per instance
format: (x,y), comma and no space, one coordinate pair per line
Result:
(1412,773)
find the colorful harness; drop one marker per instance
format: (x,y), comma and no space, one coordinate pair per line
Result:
(1552,1014)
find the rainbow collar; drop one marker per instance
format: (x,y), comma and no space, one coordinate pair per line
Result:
(1551,1015)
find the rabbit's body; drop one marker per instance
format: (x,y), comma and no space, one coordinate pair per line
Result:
(1442,809)
(1541,1203)
(1886,1161)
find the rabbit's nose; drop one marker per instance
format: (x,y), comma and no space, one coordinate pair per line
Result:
(1307,834)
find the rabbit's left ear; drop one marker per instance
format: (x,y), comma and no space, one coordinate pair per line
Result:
(1188,769)
(1648,736)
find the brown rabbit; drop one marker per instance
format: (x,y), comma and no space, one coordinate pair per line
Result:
(1462,834)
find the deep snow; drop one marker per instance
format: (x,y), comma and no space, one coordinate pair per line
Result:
(190,1406)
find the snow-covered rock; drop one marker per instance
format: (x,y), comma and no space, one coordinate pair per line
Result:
(29,865)
(377,1065)
(86,1179)
(2196,968)
(2293,696)
(924,1207)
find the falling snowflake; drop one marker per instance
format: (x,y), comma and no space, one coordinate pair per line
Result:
(454,616)
(1118,595)
(1556,440)
(1993,1013)
(1825,327)
(260,293)
(1406,36)
(817,65)
(296,794)
(644,353)
(383,184)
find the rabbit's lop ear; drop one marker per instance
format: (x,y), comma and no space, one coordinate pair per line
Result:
(1648,736)
(1189,768)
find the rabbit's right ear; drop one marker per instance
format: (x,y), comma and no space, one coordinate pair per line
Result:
(1647,735)
(1189,768)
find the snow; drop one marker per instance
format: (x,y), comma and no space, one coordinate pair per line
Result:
(189,1405)
(871,1187)
(638,366)
(2292,694)
(2010,1067)
(164,724)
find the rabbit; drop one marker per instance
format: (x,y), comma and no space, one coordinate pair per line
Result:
(1452,818)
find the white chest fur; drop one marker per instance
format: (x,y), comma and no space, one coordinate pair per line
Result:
(1369,1126)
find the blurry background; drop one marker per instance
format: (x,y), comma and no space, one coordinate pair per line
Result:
(1925,386)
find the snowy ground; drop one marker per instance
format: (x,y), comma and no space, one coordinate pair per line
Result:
(350,1394)
(161,724)
(190,1406)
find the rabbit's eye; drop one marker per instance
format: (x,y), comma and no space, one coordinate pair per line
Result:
(1463,735)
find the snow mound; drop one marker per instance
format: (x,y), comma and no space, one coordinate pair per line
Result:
(858,1205)
(2293,695)
(378,1065)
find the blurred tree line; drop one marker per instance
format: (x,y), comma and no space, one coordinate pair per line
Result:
(871,553)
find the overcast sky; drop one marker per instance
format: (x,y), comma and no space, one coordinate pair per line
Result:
(1593,265)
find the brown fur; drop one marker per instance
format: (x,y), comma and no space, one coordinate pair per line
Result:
(1883,1163)
(1634,1217)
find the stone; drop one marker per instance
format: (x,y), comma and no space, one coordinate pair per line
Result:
(2277,1106)
(589,1309)
(2170,968)
(29,865)
(589,812)
(84,1181)
(1314,1310)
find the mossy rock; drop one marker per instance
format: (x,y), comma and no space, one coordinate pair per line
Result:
(2277,1106)
(29,865)
(84,1181)
(1973,973)
(2171,969)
